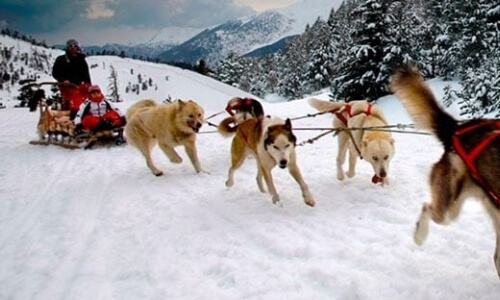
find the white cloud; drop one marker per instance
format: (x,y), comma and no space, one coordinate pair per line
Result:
(98,10)
(262,5)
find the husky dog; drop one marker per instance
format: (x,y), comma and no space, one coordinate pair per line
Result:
(272,142)
(244,108)
(376,147)
(470,165)
(169,125)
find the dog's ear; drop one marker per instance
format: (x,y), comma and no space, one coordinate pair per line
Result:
(288,124)
(180,104)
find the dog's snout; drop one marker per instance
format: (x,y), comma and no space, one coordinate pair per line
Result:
(383,173)
(283,163)
(198,125)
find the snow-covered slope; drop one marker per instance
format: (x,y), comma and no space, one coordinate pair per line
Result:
(97,224)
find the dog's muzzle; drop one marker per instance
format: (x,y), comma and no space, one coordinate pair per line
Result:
(283,163)
(196,126)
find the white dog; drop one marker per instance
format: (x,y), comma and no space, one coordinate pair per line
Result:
(375,146)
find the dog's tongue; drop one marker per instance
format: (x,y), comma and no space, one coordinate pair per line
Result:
(376,179)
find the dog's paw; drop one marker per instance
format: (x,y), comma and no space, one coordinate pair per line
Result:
(310,201)
(421,232)
(229,183)
(340,175)
(350,174)
(276,200)
(158,173)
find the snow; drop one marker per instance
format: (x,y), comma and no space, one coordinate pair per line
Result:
(97,224)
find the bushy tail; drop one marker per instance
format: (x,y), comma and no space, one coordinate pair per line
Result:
(227,127)
(415,95)
(324,106)
(139,106)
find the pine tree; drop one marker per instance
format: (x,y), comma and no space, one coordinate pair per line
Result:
(113,85)
(362,73)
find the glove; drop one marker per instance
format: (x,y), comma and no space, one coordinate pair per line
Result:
(78,129)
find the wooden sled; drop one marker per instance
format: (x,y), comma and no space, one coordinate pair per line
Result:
(84,141)
(56,128)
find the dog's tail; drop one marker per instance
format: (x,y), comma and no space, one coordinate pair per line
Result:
(416,96)
(227,127)
(326,106)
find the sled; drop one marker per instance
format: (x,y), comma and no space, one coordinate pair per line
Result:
(56,127)
(88,140)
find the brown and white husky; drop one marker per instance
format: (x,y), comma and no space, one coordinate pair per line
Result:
(272,142)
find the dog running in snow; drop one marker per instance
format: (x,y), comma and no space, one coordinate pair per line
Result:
(168,125)
(470,164)
(376,147)
(272,142)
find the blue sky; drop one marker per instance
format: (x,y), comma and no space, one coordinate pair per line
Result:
(99,21)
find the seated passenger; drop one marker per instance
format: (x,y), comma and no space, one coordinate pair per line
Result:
(96,113)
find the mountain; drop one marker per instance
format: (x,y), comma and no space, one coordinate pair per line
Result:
(152,47)
(245,35)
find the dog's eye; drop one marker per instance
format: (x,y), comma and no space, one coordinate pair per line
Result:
(287,146)
(191,116)
(276,147)
(386,157)
(375,158)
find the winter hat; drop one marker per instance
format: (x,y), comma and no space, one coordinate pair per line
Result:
(72,42)
(93,88)
(97,98)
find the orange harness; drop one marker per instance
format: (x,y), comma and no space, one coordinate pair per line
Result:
(470,157)
(347,109)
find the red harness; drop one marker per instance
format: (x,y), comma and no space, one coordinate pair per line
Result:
(347,109)
(470,157)
(243,102)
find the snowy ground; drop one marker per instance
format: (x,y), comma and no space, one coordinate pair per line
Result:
(97,225)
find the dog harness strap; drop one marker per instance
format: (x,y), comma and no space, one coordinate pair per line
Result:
(369,109)
(338,112)
(470,157)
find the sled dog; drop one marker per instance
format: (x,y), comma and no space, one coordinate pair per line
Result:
(376,147)
(272,142)
(470,163)
(244,108)
(168,125)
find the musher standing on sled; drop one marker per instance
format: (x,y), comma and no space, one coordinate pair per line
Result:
(72,73)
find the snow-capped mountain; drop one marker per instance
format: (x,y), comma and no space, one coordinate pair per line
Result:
(244,35)
(155,45)
(247,34)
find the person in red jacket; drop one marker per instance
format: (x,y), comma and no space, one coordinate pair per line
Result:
(97,114)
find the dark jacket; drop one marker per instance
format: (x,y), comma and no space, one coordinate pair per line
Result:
(74,69)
